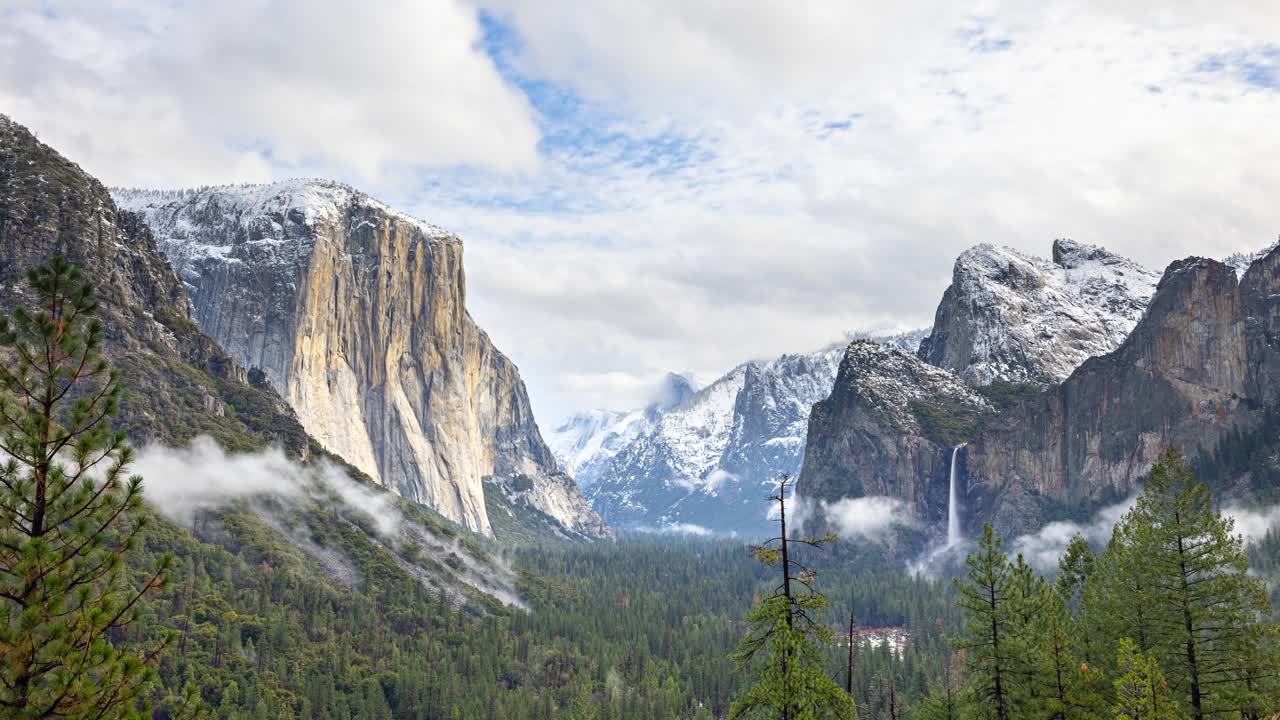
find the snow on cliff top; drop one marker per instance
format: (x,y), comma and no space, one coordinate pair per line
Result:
(891,379)
(1013,316)
(317,200)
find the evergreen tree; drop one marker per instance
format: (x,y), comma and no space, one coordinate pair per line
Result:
(1204,616)
(1074,570)
(1141,690)
(787,639)
(943,701)
(1070,688)
(987,636)
(68,515)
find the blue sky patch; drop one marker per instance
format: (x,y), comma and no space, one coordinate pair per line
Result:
(1258,68)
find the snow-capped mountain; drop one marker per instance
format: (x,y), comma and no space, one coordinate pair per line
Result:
(707,464)
(585,442)
(1021,318)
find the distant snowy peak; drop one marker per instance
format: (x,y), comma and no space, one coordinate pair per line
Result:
(587,440)
(1011,316)
(707,462)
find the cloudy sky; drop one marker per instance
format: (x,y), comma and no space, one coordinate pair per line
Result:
(685,184)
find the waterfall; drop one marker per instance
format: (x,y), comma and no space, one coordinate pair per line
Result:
(953,503)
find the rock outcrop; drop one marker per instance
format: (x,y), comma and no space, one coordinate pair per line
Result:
(887,429)
(1201,362)
(356,314)
(552,505)
(1011,316)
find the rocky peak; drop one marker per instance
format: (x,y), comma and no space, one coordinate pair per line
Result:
(1016,317)
(891,383)
(673,391)
(887,429)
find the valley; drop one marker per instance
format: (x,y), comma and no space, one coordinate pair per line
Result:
(795,406)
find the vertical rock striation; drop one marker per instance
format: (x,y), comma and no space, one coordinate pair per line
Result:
(356,314)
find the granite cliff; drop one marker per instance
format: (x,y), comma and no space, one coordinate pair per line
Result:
(1201,362)
(356,314)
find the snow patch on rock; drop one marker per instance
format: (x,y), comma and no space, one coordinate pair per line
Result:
(1016,317)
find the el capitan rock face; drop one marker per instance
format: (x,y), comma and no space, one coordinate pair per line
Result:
(356,314)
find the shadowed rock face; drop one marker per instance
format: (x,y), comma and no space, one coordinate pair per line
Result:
(875,435)
(356,314)
(176,382)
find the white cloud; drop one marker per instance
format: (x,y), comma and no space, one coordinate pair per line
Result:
(169,93)
(868,518)
(1043,549)
(203,476)
(1253,523)
(181,482)
(683,528)
(717,478)
(702,202)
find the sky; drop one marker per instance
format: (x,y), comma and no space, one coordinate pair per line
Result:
(687,184)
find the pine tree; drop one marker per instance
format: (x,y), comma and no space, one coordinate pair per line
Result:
(68,515)
(1030,677)
(1069,686)
(1204,619)
(944,699)
(1074,570)
(986,639)
(1141,690)
(786,641)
